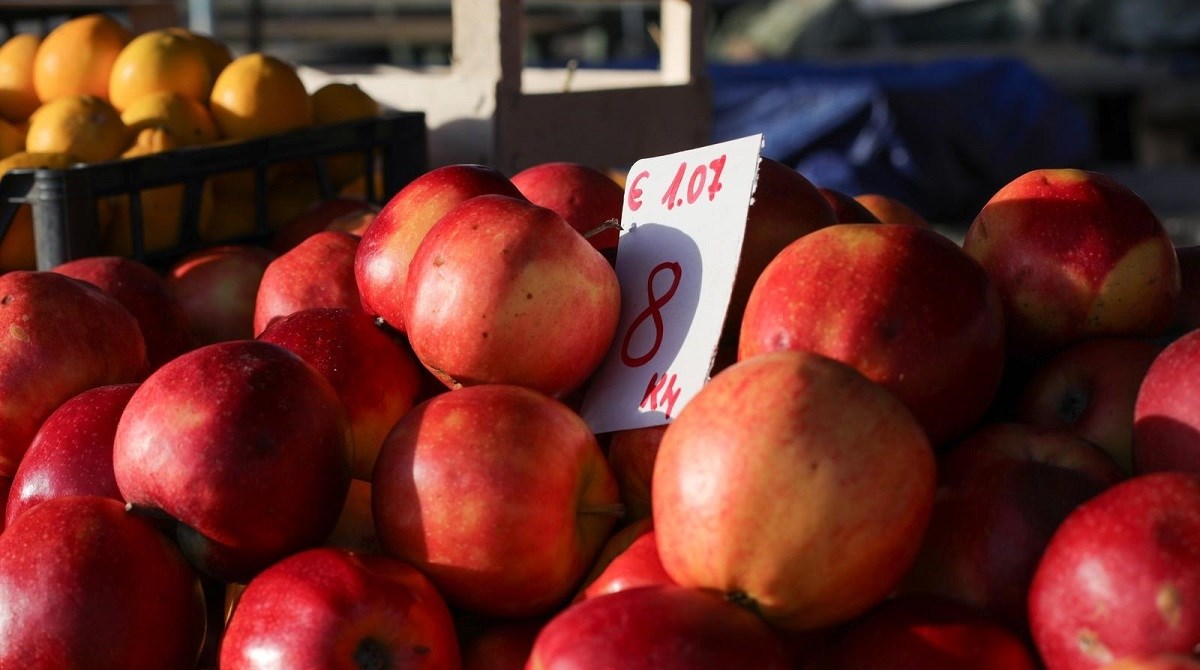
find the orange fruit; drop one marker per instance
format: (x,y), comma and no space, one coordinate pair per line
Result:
(334,103)
(189,121)
(17,250)
(258,95)
(216,54)
(159,61)
(339,101)
(84,126)
(162,208)
(17,97)
(77,57)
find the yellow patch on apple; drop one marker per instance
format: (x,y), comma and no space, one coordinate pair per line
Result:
(1121,304)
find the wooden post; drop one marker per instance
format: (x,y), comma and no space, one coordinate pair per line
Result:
(682,41)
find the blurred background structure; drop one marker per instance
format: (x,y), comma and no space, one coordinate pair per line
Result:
(938,102)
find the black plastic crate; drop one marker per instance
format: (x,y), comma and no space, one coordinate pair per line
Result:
(64,202)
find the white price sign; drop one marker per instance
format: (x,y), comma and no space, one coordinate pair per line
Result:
(683,222)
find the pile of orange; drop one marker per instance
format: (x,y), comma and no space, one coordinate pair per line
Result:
(90,90)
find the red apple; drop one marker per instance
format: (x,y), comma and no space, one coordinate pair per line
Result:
(499,493)
(786,207)
(583,195)
(318,272)
(318,217)
(1187,310)
(505,292)
(144,293)
(329,608)
(926,633)
(617,543)
(1166,414)
(61,337)
(375,376)
(1120,575)
(846,208)
(355,529)
(795,485)
(246,445)
(631,458)
(1155,662)
(72,451)
(86,584)
(500,645)
(388,244)
(653,628)
(890,210)
(636,567)
(217,289)
(1075,255)
(902,304)
(1001,494)
(1089,389)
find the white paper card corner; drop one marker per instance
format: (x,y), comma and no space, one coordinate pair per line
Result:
(683,222)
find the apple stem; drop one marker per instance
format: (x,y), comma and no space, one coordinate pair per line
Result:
(607,225)
(610,509)
(146,512)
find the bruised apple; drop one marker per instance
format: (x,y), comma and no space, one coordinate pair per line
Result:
(1119,576)
(502,291)
(794,485)
(1155,662)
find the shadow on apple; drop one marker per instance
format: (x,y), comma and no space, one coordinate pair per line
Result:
(1163,443)
(1075,255)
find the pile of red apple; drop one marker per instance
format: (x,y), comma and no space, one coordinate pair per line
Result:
(361,448)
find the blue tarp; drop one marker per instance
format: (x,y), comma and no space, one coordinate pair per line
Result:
(940,136)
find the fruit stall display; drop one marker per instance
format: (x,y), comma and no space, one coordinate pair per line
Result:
(358,442)
(159,144)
